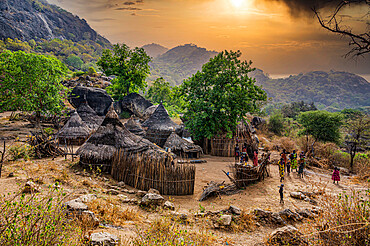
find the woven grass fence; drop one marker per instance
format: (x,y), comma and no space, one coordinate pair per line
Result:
(226,146)
(144,171)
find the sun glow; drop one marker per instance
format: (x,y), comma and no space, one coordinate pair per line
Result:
(237,3)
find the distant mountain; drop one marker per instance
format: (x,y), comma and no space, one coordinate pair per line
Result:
(154,50)
(179,63)
(37,19)
(328,90)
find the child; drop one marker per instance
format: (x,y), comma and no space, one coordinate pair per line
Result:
(281,169)
(244,152)
(301,167)
(336,175)
(281,191)
(237,153)
(288,167)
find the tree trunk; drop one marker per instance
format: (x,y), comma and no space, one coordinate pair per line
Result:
(38,119)
(2,159)
(353,154)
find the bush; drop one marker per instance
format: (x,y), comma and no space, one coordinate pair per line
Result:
(343,221)
(21,151)
(36,220)
(284,143)
(276,124)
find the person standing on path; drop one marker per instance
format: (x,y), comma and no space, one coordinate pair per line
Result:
(336,175)
(255,158)
(293,158)
(283,155)
(281,169)
(281,192)
(237,153)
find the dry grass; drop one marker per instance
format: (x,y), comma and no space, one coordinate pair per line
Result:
(164,231)
(284,143)
(244,223)
(344,220)
(362,166)
(109,211)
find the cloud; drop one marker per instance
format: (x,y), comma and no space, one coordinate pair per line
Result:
(129,9)
(129,3)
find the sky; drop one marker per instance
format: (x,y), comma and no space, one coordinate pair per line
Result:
(279,36)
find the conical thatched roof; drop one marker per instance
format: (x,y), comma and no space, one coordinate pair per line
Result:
(89,116)
(75,128)
(178,144)
(108,138)
(134,127)
(160,120)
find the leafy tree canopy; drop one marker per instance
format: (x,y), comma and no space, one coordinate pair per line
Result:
(322,125)
(276,123)
(31,82)
(220,95)
(293,109)
(129,66)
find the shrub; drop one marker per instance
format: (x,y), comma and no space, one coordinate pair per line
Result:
(362,166)
(19,151)
(36,220)
(166,232)
(276,124)
(284,143)
(343,221)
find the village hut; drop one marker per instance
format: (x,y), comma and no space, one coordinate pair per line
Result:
(89,116)
(159,126)
(110,137)
(74,132)
(182,148)
(134,127)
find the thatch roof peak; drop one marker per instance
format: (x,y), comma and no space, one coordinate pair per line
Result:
(134,127)
(160,119)
(74,128)
(176,143)
(86,109)
(89,116)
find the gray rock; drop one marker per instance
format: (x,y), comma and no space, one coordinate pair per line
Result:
(179,216)
(169,205)
(122,197)
(31,187)
(297,195)
(134,104)
(306,213)
(287,235)
(75,205)
(152,199)
(287,215)
(10,175)
(90,218)
(103,239)
(141,193)
(87,198)
(235,210)
(112,192)
(126,200)
(121,184)
(154,191)
(225,220)
(131,192)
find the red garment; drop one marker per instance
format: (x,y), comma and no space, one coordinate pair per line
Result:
(336,175)
(255,159)
(283,155)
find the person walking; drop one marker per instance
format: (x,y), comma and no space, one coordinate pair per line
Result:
(237,153)
(288,168)
(294,163)
(281,192)
(302,164)
(255,158)
(336,175)
(283,155)
(281,169)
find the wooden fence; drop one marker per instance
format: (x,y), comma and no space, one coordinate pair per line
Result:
(145,171)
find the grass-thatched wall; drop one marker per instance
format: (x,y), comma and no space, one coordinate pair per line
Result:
(183,148)
(154,169)
(159,126)
(74,132)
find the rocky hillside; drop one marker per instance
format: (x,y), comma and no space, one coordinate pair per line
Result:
(36,19)
(328,90)
(154,50)
(180,63)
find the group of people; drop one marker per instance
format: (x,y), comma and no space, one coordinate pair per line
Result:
(242,156)
(291,164)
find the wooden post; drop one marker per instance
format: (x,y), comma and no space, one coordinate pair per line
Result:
(2,158)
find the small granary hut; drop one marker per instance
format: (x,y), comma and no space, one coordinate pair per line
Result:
(74,132)
(182,148)
(159,126)
(89,116)
(134,127)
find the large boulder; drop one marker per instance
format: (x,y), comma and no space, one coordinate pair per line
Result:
(98,99)
(134,104)
(152,199)
(287,235)
(103,239)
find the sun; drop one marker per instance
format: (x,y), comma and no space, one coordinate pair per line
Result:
(237,3)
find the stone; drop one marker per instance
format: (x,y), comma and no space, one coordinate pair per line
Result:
(287,235)
(121,184)
(179,216)
(134,201)
(297,195)
(154,191)
(225,220)
(122,197)
(75,205)
(103,239)
(131,192)
(169,205)
(86,198)
(235,210)
(112,192)
(152,199)
(134,104)
(268,217)
(31,187)
(11,175)
(125,200)
(90,218)
(141,193)
(288,214)
(98,99)
(306,213)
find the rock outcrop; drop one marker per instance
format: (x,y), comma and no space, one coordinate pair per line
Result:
(134,104)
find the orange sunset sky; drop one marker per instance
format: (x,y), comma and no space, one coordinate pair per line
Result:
(280,37)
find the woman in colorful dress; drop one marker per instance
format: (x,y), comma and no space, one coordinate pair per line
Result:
(293,158)
(336,175)
(255,158)
(281,169)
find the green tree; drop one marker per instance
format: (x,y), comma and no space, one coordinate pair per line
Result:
(357,129)
(220,95)
(293,109)
(31,82)
(276,123)
(160,91)
(130,66)
(321,125)
(74,61)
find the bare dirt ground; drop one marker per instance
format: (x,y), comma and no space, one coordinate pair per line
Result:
(75,181)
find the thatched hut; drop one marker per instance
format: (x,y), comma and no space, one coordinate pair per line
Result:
(160,126)
(182,147)
(89,116)
(74,132)
(134,127)
(110,137)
